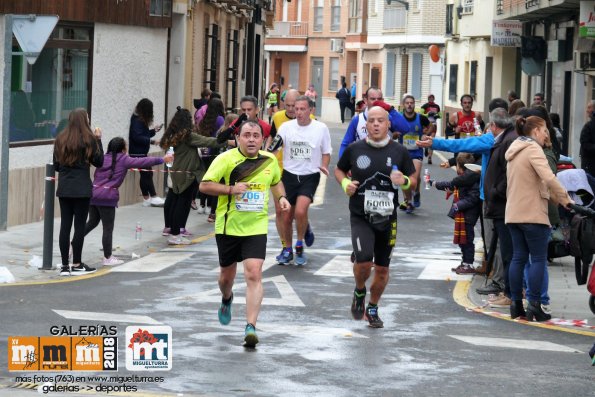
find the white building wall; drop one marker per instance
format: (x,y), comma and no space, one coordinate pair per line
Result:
(129,64)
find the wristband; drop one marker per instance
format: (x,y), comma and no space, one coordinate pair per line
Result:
(344,183)
(282,196)
(230,188)
(407,184)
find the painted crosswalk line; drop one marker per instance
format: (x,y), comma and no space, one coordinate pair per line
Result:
(296,329)
(515,344)
(268,263)
(441,270)
(153,263)
(106,317)
(339,266)
(287,293)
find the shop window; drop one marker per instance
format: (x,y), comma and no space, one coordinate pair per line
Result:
(44,94)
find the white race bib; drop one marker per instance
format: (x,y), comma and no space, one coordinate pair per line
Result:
(379,202)
(300,150)
(252,200)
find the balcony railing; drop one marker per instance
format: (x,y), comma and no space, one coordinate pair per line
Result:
(289,29)
(518,6)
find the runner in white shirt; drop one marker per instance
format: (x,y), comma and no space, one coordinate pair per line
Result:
(306,153)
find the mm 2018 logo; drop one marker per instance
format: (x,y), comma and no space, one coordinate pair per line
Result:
(148,348)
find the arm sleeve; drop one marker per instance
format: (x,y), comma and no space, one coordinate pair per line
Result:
(343,164)
(539,163)
(397,122)
(273,132)
(480,144)
(141,162)
(349,137)
(97,156)
(443,185)
(326,142)
(203,141)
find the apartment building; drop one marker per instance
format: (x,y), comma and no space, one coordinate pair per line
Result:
(402,33)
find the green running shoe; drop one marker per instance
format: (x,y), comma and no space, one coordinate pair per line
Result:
(224,312)
(250,338)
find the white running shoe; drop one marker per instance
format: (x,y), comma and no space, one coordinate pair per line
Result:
(157,201)
(201,209)
(147,202)
(112,261)
(178,240)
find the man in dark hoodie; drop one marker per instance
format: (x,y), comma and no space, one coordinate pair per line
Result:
(588,142)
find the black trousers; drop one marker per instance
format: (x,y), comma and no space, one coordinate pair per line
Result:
(107,216)
(73,210)
(177,208)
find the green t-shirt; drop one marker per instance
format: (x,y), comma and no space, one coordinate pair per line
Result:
(246,214)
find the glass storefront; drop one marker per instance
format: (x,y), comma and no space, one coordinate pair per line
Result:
(43,94)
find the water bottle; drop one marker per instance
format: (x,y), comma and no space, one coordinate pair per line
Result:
(170,151)
(394,169)
(427,178)
(476,126)
(138,234)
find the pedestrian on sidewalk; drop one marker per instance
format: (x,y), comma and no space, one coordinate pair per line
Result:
(465,209)
(187,170)
(530,183)
(140,140)
(76,148)
(242,178)
(344,101)
(106,194)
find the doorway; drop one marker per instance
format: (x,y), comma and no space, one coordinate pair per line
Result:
(317,69)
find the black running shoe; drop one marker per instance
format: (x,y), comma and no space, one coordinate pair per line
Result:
(358,304)
(82,269)
(372,317)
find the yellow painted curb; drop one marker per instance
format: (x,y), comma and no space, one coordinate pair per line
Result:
(460,295)
(100,272)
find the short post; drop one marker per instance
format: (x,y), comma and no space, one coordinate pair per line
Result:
(48,217)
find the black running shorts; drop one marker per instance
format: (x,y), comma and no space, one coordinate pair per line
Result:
(234,249)
(300,185)
(373,243)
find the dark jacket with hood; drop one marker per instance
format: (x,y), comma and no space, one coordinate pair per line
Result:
(494,180)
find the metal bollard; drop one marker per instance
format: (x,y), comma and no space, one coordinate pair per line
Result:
(48,217)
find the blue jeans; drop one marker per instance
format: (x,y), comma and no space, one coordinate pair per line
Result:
(545,298)
(528,239)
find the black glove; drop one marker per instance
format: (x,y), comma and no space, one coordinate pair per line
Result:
(225,135)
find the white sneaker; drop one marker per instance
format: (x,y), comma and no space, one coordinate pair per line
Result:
(147,202)
(178,240)
(201,210)
(157,201)
(112,261)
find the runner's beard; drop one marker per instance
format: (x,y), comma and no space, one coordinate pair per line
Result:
(378,144)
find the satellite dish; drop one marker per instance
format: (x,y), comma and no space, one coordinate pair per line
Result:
(532,67)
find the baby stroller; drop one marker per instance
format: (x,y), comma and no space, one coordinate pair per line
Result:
(576,234)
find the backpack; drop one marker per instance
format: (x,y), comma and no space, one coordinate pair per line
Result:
(582,245)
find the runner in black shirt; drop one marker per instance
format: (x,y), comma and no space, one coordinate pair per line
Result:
(373,192)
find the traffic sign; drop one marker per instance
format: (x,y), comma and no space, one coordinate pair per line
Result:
(32,32)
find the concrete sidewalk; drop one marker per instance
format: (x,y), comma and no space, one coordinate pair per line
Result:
(23,245)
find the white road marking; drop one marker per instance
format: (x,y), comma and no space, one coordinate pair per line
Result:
(293,329)
(339,266)
(440,270)
(515,344)
(288,295)
(106,317)
(153,263)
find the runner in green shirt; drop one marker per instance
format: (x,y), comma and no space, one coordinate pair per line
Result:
(241,178)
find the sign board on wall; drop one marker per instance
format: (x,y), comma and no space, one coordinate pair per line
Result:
(587,20)
(507,33)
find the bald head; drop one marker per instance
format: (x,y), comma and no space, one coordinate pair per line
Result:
(377,123)
(290,98)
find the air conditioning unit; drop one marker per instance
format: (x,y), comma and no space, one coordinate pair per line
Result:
(336,45)
(584,60)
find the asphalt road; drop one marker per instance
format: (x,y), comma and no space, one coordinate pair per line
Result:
(310,345)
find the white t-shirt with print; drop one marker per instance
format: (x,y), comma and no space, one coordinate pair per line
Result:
(303,147)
